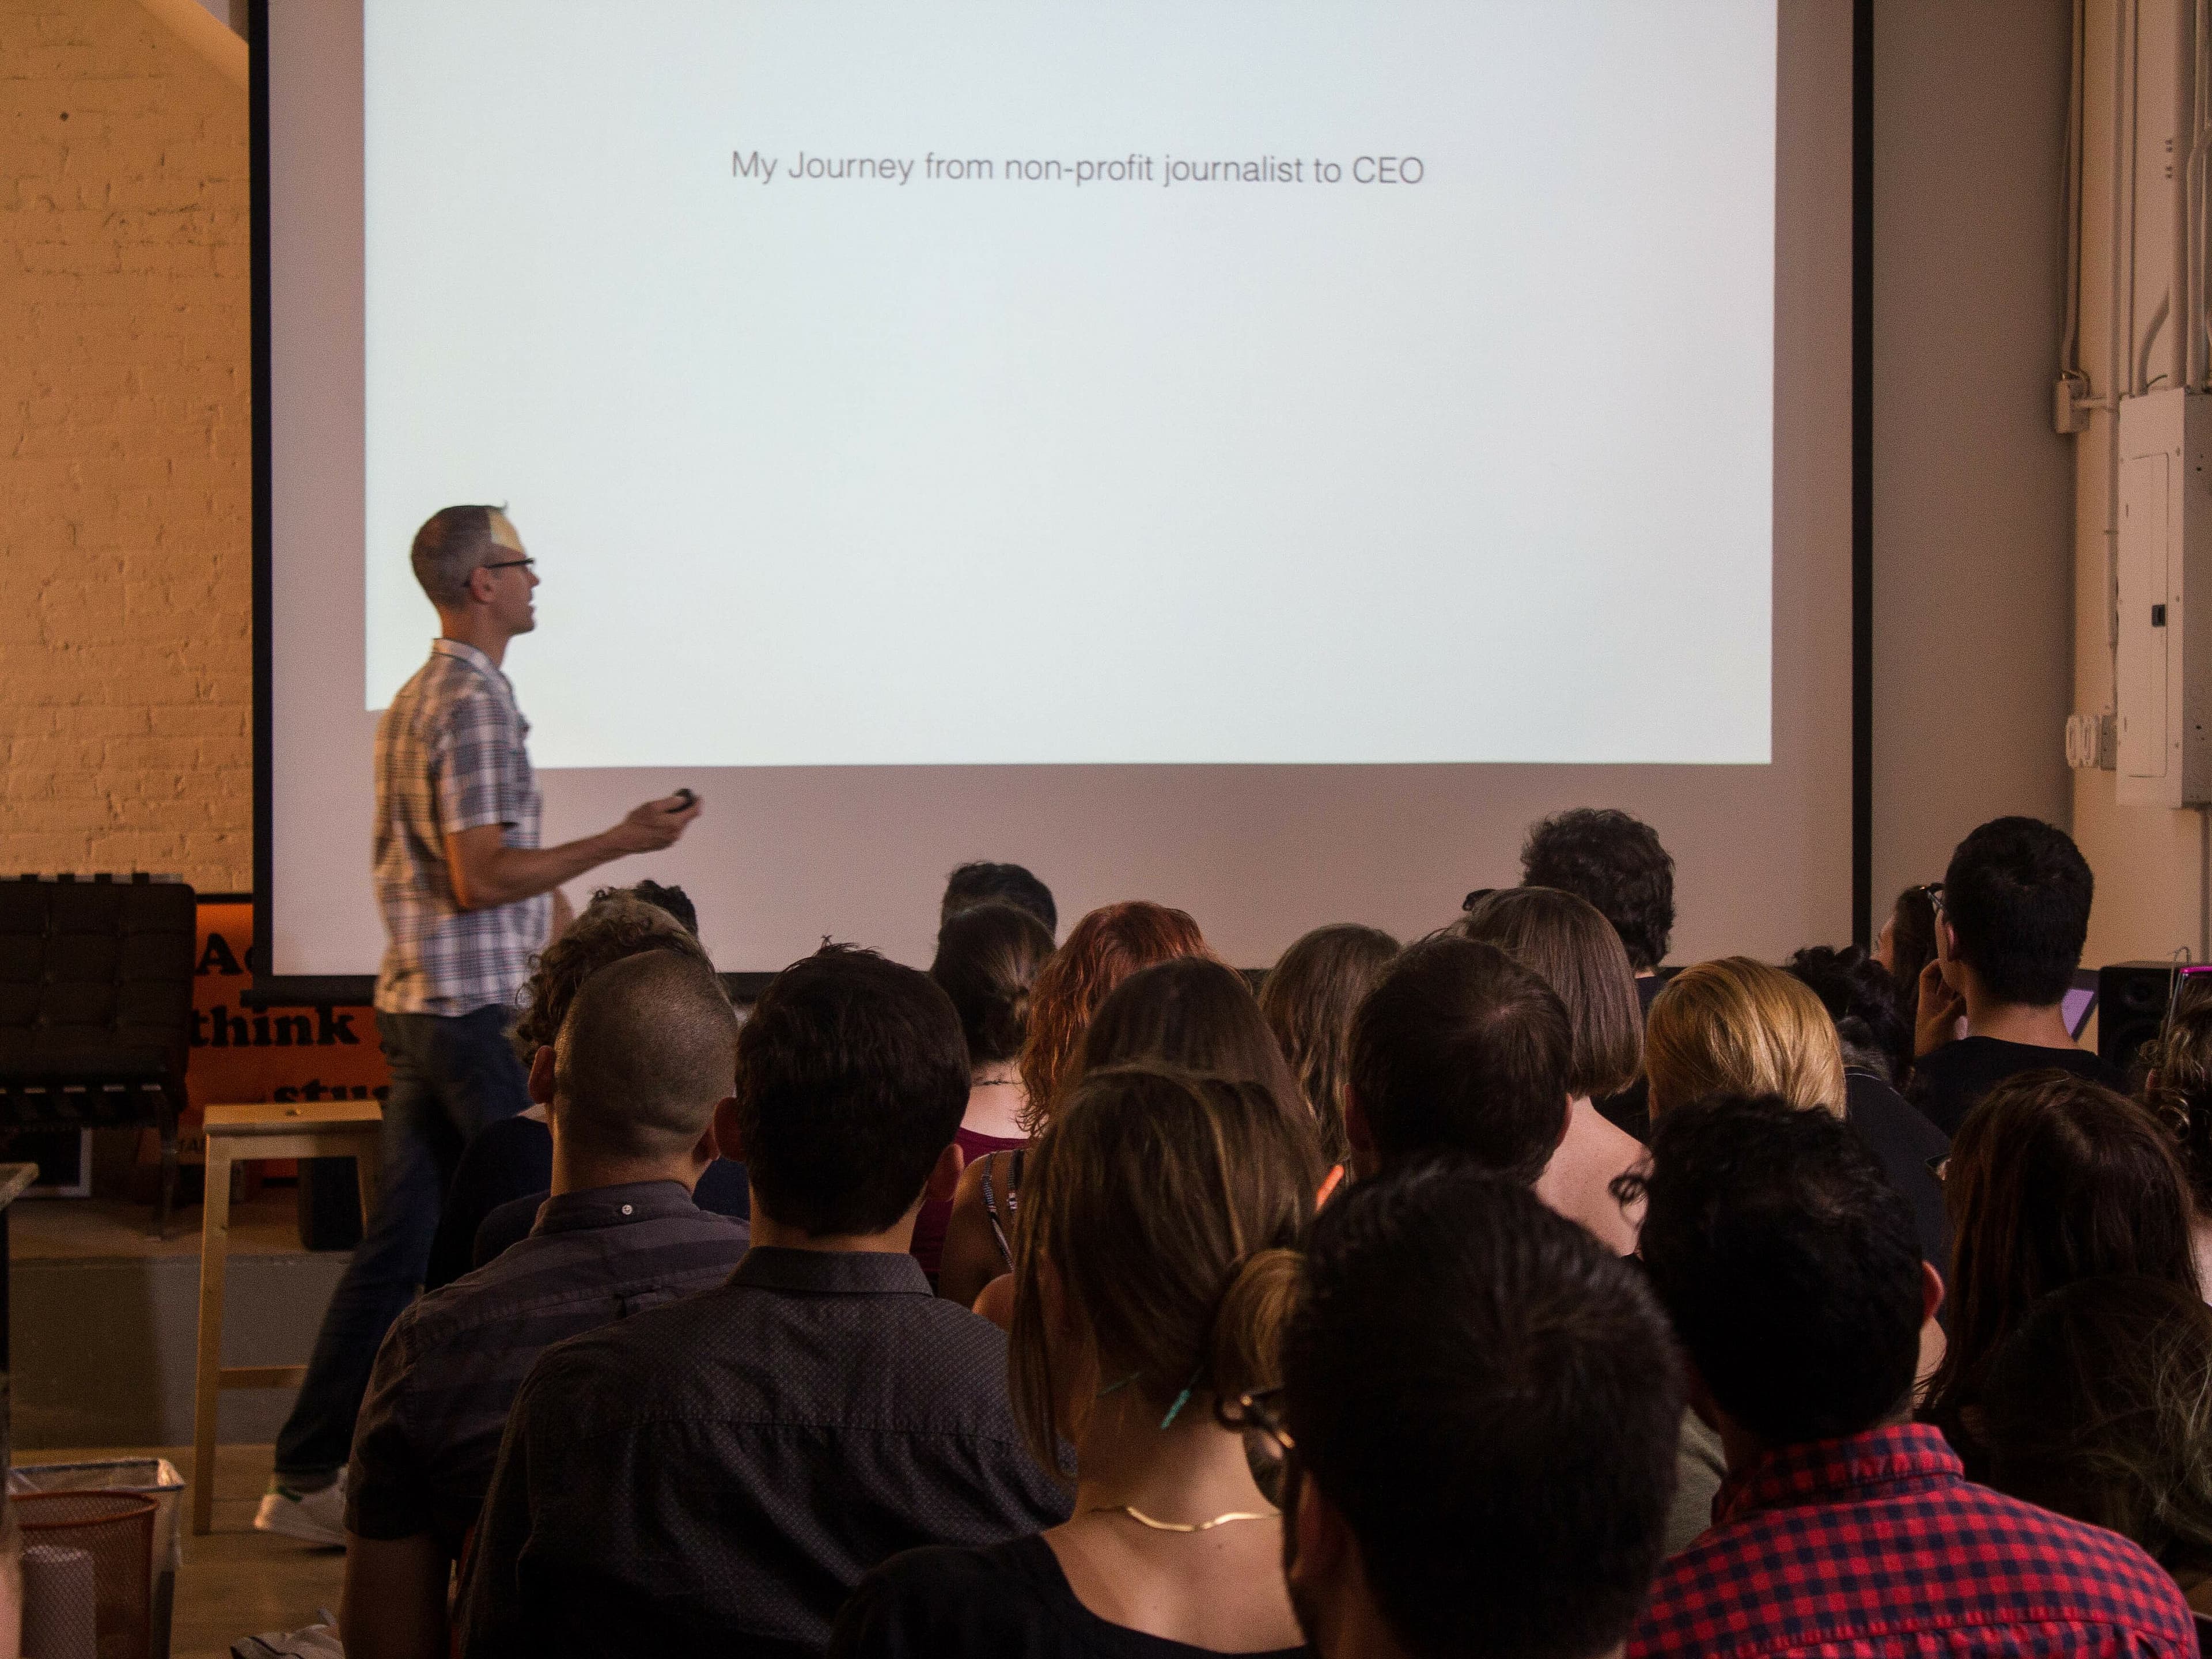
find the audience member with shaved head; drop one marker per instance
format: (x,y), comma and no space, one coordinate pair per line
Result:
(716,1476)
(646,1052)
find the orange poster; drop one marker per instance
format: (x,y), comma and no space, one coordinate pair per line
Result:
(320,1052)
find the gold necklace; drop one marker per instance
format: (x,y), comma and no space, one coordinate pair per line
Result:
(1143,1519)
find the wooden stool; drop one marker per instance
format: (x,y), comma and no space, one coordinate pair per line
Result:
(242,1134)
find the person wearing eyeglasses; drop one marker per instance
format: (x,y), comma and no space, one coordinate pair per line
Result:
(469,898)
(2012,914)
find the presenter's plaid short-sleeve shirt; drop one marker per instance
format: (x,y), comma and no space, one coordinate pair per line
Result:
(1878,1545)
(450,756)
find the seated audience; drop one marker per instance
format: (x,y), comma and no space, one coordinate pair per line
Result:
(1102,950)
(987,959)
(1155,1265)
(1572,948)
(2179,1092)
(2100,1406)
(1478,1417)
(716,1474)
(1459,1050)
(1309,998)
(1736,1026)
(2053,1179)
(1614,863)
(2011,914)
(972,884)
(511,1162)
(1788,1265)
(646,1052)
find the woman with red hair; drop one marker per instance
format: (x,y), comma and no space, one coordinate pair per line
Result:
(1104,948)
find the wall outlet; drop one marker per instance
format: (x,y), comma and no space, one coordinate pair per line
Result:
(2092,742)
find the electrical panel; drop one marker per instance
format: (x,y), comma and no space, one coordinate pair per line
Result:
(2163,692)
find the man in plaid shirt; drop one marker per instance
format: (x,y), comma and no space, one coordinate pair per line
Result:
(469,898)
(1790,1268)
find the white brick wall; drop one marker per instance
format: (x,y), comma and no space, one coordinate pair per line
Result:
(126,690)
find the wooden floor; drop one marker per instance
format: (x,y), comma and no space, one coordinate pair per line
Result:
(236,1581)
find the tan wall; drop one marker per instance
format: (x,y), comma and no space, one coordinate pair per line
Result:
(1973,504)
(125,513)
(2151,865)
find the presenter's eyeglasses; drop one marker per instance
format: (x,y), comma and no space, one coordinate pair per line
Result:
(513,564)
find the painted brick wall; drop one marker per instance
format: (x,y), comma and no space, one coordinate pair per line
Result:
(126,688)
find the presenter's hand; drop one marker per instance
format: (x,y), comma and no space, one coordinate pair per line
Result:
(656,824)
(1940,1008)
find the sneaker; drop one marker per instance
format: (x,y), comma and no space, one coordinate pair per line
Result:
(312,1518)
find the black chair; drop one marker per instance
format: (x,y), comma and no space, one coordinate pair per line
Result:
(96,1007)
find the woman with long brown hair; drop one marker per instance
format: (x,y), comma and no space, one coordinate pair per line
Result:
(2100,1406)
(1101,951)
(2053,1179)
(1154,1270)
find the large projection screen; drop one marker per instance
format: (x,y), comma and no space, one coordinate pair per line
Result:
(1258,455)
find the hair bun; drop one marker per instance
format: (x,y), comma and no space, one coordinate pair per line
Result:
(1245,1345)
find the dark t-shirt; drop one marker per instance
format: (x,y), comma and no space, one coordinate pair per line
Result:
(1904,1142)
(1004,1599)
(510,1159)
(1948,1083)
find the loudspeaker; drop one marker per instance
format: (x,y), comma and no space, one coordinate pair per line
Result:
(329,1204)
(2131,1000)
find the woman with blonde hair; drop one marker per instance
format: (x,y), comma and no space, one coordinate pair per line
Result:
(1565,942)
(1154,1271)
(1737,1026)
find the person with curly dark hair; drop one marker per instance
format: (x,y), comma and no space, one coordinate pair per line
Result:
(669,897)
(1614,862)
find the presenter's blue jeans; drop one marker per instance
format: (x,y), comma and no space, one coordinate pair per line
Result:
(451,1076)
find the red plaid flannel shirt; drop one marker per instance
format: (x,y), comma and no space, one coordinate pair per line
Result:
(1878,1544)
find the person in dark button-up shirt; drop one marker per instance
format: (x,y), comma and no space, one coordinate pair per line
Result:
(715,1475)
(645,1054)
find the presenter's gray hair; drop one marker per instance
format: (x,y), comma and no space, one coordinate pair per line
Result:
(453,543)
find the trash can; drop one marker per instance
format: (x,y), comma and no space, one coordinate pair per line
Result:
(144,1477)
(85,1581)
